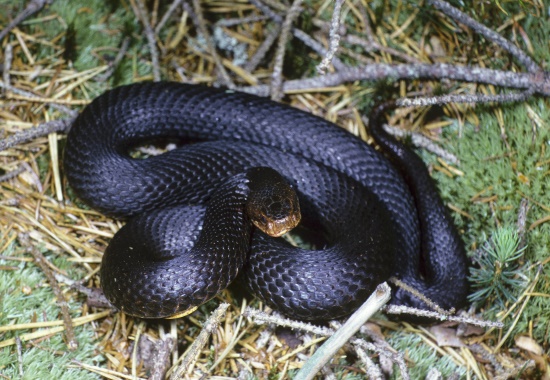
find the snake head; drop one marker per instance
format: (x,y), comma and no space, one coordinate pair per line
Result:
(273,204)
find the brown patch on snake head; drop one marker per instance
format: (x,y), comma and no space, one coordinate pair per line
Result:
(273,204)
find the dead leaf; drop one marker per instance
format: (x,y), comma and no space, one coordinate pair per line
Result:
(529,344)
(446,336)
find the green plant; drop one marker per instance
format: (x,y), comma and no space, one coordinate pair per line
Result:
(499,276)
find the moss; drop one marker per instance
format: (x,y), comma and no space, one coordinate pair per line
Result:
(508,170)
(90,32)
(24,297)
(423,357)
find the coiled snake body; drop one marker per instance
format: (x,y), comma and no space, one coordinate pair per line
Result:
(175,254)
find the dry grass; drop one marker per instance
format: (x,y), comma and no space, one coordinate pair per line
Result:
(37,201)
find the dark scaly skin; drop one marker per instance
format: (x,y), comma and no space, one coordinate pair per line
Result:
(346,189)
(439,236)
(166,246)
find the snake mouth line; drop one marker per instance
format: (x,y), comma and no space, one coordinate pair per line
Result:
(277,228)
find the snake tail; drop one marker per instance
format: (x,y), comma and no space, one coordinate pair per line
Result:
(427,273)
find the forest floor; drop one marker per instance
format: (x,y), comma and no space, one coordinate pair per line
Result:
(491,162)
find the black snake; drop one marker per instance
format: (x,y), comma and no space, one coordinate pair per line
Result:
(174,254)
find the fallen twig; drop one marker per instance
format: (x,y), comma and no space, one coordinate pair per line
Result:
(422,297)
(40,260)
(141,14)
(175,4)
(334,38)
(464,98)
(189,358)
(161,359)
(381,348)
(12,174)
(379,71)
(262,50)
(61,125)
(28,94)
(318,48)
(398,310)
(277,74)
(95,296)
(113,65)
(421,141)
(491,35)
(8,58)
(267,11)
(19,356)
(33,7)
(239,21)
(380,297)
(373,372)
(201,25)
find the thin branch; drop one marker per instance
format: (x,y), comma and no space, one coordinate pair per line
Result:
(381,347)
(378,71)
(464,98)
(175,4)
(386,351)
(8,58)
(277,75)
(201,25)
(210,327)
(422,297)
(487,356)
(141,14)
(62,125)
(12,174)
(161,360)
(398,310)
(15,90)
(238,21)
(262,317)
(334,38)
(301,35)
(267,11)
(113,65)
(94,296)
(41,261)
(491,35)
(317,47)
(371,45)
(522,221)
(373,372)
(421,141)
(33,7)
(516,371)
(262,49)
(379,298)
(19,356)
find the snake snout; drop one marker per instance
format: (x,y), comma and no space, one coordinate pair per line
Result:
(273,204)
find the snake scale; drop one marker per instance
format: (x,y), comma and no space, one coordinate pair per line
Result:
(187,239)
